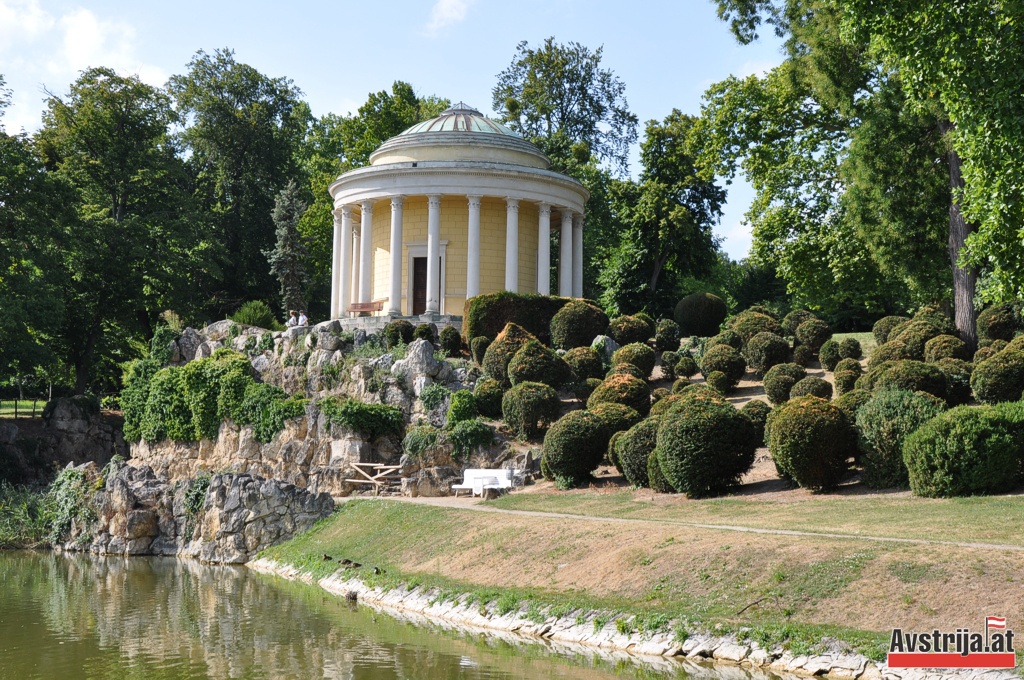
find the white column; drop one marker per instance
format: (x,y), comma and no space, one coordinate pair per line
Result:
(565,256)
(473,263)
(577,256)
(544,250)
(366,252)
(433,253)
(354,290)
(395,291)
(345,265)
(512,245)
(336,267)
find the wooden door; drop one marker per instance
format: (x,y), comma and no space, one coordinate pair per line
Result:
(419,285)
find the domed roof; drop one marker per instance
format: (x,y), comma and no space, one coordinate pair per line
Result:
(460,118)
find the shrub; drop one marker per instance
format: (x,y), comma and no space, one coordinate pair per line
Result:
(398,332)
(894,350)
(757,412)
(829,355)
(658,394)
(666,335)
(461,407)
(573,447)
(488,394)
(850,402)
(424,331)
(625,330)
(167,414)
(137,379)
(810,441)
(469,435)
(963,452)
(766,350)
(478,347)
(998,322)
(1000,377)
(764,309)
(626,369)
(577,324)
(793,320)
(639,355)
(488,314)
(584,388)
(725,359)
(849,365)
(936,317)
(450,341)
(419,439)
(946,347)
(1017,344)
(915,334)
(633,449)
(704,445)
(433,395)
(883,423)
(371,420)
(748,324)
(845,381)
(811,386)
(663,405)
(803,356)
(584,362)
(669,359)
(686,367)
(813,333)
(958,379)
(529,407)
(779,380)
(726,337)
(655,478)
(500,352)
(649,320)
(256,313)
(623,389)
(884,326)
(718,381)
(985,353)
(679,384)
(909,375)
(536,363)
(849,348)
(700,314)
(616,417)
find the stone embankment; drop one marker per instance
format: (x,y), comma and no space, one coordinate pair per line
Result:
(599,630)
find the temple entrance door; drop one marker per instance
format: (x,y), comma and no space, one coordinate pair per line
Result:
(419,285)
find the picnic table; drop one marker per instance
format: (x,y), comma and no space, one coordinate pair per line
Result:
(380,476)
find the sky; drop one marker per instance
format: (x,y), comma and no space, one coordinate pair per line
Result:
(667,52)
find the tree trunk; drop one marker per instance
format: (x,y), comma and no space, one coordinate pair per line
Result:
(658,265)
(965,279)
(83,362)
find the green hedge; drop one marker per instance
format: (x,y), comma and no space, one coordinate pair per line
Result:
(499,353)
(766,350)
(810,441)
(529,407)
(633,448)
(623,389)
(884,326)
(536,363)
(883,424)
(700,314)
(999,378)
(638,354)
(573,447)
(625,330)
(999,322)
(585,362)
(908,375)
(814,333)
(488,394)
(725,359)
(576,324)
(811,386)
(779,381)
(489,314)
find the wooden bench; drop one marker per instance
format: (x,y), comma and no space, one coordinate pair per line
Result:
(380,476)
(479,480)
(366,307)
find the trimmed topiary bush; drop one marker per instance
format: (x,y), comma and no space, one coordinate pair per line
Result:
(256,313)
(908,375)
(725,359)
(958,379)
(998,322)
(849,348)
(936,317)
(893,350)
(655,478)
(850,402)
(616,417)
(1000,377)
(461,406)
(1017,344)
(584,362)
(963,452)
(663,405)
(666,335)
(757,412)
(424,331)
(649,320)
(679,384)
(623,389)
(779,380)
(793,320)
(849,365)
(985,353)
(450,341)
(811,441)
(398,332)
(915,334)
(811,386)
(748,324)
(718,381)
(500,352)
(884,326)
(946,347)
(700,314)
(668,364)
(530,407)
(883,423)
(766,350)
(704,445)
(726,337)
(488,314)
(625,330)
(625,368)
(488,394)
(584,388)
(803,356)
(573,448)
(828,355)
(536,363)
(686,367)
(633,449)
(659,394)
(641,356)
(813,333)
(845,381)
(478,347)
(577,324)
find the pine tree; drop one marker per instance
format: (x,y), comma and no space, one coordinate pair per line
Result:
(288,258)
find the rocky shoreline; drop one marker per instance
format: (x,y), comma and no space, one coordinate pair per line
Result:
(579,632)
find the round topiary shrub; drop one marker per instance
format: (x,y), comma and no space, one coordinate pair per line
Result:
(616,417)
(893,350)
(425,331)
(909,375)
(963,452)
(810,441)
(748,324)
(655,478)
(662,405)
(984,353)
(849,365)
(915,334)
(884,326)
(793,320)
(640,355)
(850,402)
(700,314)
(813,333)
(450,341)
(845,381)
(779,380)
(849,348)
(577,324)
(649,320)
(1017,344)
(667,335)
(633,449)
(958,379)
(536,363)
(623,389)
(668,365)
(946,347)
(811,386)
(573,448)
(936,317)
(883,423)
(686,367)
(625,330)
(488,394)
(725,359)
(828,355)
(803,355)
(461,406)
(398,332)
(727,337)
(478,347)
(679,384)
(625,369)
(500,352)
(763,309)
(584,362)
(584,388)
(704,446)
(1000,377)
(718,381)
(998,322)
(529,407)
(766,350)
(757,412)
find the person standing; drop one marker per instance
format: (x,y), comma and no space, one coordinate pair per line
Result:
(292,319)
(303,319)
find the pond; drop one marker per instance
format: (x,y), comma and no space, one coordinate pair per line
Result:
(103,617)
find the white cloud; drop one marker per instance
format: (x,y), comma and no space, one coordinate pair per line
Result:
(22,21)
(446,13)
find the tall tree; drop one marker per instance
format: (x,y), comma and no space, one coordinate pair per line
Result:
(288,258)
(241,131)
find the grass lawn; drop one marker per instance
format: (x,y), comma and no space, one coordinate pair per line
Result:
(24,406)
